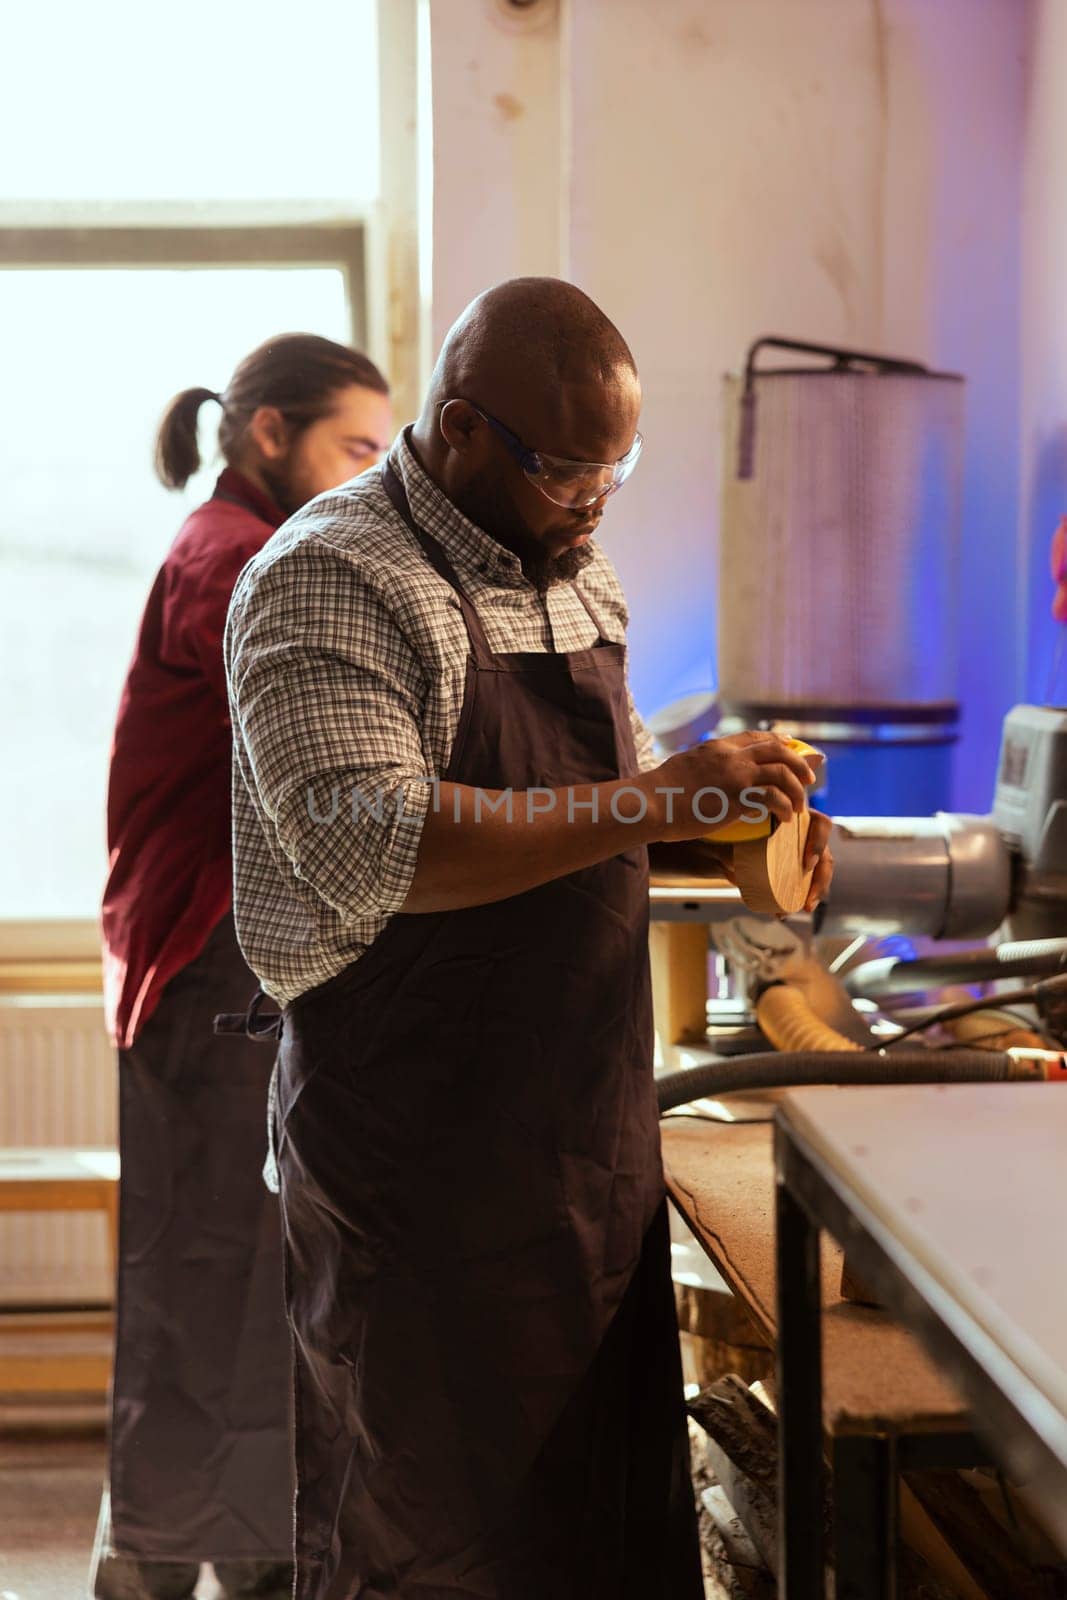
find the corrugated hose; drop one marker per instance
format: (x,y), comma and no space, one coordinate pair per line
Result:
(791,1069)
(785,1015)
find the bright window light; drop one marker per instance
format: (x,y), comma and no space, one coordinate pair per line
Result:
(211,99)
(90,360)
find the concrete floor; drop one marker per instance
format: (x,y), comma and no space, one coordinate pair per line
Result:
(50,1482)
(49,1499)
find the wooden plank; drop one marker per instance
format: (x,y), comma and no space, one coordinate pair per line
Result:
(55,1194)
(876,1375)
(55,1352)
(55,1324)
(77,1373)
(52,977)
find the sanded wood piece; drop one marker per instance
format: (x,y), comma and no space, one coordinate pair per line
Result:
(770,872)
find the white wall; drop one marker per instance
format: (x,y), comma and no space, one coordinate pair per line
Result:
(968,60)
(500,150)
(710,170)
(1044,336)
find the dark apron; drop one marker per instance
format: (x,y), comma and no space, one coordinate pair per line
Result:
(200,1439)
(488,1383)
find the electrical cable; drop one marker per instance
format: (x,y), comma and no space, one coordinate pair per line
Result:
(991,1002)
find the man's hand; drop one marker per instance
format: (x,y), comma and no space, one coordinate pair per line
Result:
(819,854)
(735,775)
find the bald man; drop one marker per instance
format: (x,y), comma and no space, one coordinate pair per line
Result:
(443,809)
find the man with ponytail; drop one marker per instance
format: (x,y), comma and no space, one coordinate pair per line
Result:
(200,1436)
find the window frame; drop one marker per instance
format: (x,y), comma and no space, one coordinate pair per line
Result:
(200,244)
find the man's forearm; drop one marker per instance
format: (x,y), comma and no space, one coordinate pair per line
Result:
(480,845)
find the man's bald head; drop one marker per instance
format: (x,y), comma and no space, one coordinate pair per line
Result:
(529,334)
(538,357)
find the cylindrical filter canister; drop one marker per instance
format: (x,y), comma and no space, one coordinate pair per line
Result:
(841,490)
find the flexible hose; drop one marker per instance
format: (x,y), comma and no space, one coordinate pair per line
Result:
(790,1022)
(1017,959)
(772,1070)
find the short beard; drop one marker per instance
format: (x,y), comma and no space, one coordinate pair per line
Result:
(545,571)
(485,506)
(282,491)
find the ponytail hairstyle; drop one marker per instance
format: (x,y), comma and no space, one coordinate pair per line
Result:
(297,373)
(177,451)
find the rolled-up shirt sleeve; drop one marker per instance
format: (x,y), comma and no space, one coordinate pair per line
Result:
(647,758)
(326,697)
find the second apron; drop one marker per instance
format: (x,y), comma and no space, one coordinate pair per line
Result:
(200,1440)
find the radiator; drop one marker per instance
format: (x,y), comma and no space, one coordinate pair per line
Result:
(57,1087)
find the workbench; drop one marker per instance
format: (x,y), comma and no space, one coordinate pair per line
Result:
(885,1407)
(947,1197)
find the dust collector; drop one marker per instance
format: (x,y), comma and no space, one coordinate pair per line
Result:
(841,487)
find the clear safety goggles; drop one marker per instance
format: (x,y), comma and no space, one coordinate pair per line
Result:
(572,484)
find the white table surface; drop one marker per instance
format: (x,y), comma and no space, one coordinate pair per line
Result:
(966,1185)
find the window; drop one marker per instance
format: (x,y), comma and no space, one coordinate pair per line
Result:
(250,100)
(184,187)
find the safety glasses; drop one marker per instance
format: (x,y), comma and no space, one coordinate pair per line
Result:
(573,484)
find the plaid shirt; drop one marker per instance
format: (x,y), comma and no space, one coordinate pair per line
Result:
(346,656)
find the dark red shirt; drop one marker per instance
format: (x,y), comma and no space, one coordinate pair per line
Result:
(170,879)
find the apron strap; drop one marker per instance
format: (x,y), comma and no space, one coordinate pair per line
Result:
(249,1024)
(439,561)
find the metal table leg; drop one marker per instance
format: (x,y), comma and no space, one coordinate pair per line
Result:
(800,1436)
(866,1516)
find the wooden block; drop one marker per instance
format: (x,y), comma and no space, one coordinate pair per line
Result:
(924,1536)
(853,1288)
(741,1425)
(770,872)
(739,1547)
(679,957)
(994,1562)
(719,1336)
(755,1504)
